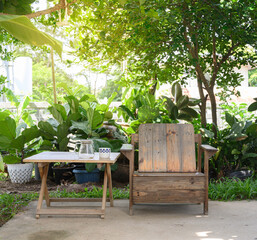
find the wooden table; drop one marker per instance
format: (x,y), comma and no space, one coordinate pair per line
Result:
(45,158)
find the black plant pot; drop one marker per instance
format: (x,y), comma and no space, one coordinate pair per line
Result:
(62,173)
(242,175)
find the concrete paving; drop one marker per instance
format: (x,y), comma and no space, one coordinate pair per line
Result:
(226,221)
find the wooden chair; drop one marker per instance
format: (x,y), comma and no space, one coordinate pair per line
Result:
(167,170)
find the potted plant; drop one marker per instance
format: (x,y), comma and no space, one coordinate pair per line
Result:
(16,146)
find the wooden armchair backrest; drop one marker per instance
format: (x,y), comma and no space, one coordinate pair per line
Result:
(166,148)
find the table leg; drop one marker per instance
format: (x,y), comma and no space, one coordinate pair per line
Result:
(109,177)
(43,169)
(104,192)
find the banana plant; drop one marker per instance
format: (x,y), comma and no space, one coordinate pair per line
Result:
(179,107)
(17,146)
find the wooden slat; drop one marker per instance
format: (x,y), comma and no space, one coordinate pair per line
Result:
(69,211)
(159,148)
(173,146)
(77,199)
(160,174)
(187,148)
(145,161)
(176,196)
(168,183)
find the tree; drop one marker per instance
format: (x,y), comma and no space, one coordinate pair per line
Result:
(169,40)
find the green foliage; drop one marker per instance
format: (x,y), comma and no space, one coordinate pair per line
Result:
(22,114)
(233,189)
(236,146)
(11,204)
(252,77)
(236,111)
(16,7)
(163,42)
(16,145)
(111,87)
(253,106)
(43,85)
(19,25)
(179,106)
(141,107)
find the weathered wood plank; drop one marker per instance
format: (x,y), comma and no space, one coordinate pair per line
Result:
(69,211)
(176,196)
(187,148)
(145,161)
(173,146)
(161,174)
(159,152)
(168,183)
(78,199)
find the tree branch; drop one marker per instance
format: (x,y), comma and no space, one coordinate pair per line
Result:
(55,8)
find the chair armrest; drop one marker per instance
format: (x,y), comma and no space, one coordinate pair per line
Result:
(206,147)
(209,151)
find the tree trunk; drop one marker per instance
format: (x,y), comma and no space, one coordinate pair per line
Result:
(213,111)
(203,102)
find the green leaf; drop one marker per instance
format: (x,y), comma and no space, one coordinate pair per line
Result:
(127,111)
(26,117)
(230,119)
(18,143)
(10,95)
(11,159)
(176,91)
(84,126)
(111,98)
(56,114)
(252,107)
(73,102)
(207,133)
(182,102)
(1,163)
(30,133)
(5,142)
(98,143)
(46,130)
(8,128)
(95,119)
(142,2)
(25,103)
(4,114)
(252,129)
(190,111)
(249,155)
(61,110)
(21,28)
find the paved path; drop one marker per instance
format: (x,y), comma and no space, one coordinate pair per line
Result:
(226,221)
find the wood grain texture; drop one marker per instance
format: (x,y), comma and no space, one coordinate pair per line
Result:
(145,161)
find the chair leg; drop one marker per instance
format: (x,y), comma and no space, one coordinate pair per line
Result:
(205,208)
(130,207)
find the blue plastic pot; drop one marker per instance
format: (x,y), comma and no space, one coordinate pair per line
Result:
(83,176)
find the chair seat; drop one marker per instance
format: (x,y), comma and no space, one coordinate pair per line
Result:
(166,174)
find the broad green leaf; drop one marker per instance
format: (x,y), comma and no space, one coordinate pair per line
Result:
(190,111)
(11,159)
(73,102)
(84,126)
(5,142)
(30,133)
(127,111)
(62,110)
(207,133)
(176,91)
(56,114)
(230,119)
(252,129)
(182,102)
(25,103)
(26,117)
(22,28)
(4,114)
(18,143)
(95,119)
(46,130)
(10,95)
(252,107)
(8,128)
(111,98)
(98,143)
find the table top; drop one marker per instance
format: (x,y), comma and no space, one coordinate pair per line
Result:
(48,157)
